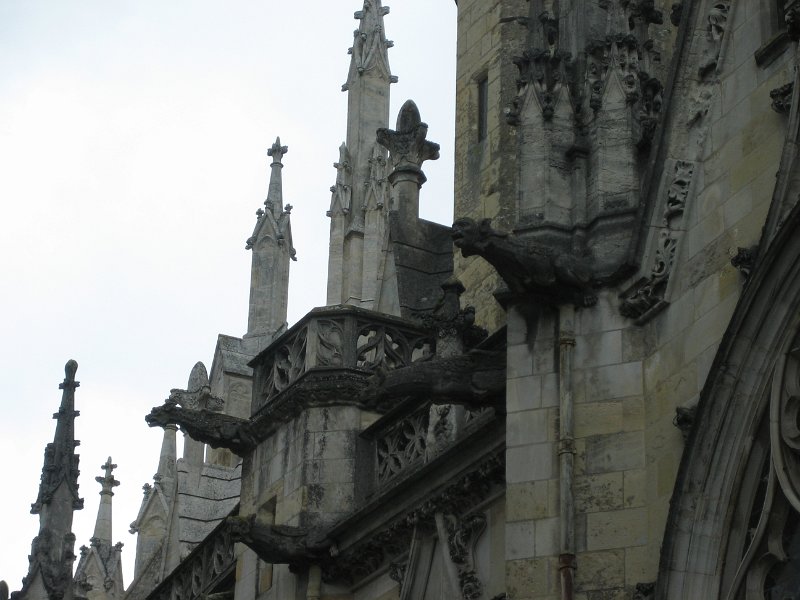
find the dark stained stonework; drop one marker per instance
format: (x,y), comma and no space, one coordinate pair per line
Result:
(278,544)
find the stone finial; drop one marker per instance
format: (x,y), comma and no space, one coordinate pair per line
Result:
(407,145)
(69,376)
(276,151)
(108,482)
(197,395)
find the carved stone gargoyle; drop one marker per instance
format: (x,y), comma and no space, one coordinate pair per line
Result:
(526,268)
(218,430)
(279,544)
(476,379)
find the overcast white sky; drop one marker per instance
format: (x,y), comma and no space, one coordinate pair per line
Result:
(133,138)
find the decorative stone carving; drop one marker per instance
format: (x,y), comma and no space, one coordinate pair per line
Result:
(684,420)
(278,544)
(455,327)
(397,572)
(792,18)
(56,573)
(218,430)
(209,563)
(407,145)
(717,22)
(702,90)
(527,269)
(377,185)
(462,534)
(370,46)
(342,191)
(782,98)
(646,298)
(644,591)
(402,446)
(546,73)
(457,498)
(745,260)
(198,395)
(649,111)
(619,52)
(675,13)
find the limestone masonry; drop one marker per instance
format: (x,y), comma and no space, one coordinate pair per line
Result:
(587,388)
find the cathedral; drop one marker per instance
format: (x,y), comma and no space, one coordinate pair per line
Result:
(586,388)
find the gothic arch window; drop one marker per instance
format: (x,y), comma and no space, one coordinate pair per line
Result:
(763,557)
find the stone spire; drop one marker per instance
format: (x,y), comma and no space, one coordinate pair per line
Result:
(354,232)
(60,461)
(99,572)
(272,248)
(52,551)
(102,527)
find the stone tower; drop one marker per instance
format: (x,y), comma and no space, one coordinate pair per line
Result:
(52,551)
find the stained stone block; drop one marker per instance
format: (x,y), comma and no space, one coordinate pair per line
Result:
(527,427)
(520,540)
(547,537)
(525,501)
(596,493)
(634,488)
(598,418)
(334,444)
(523,393)
(641,564)
(530,463)
(598,349)
(532,578)
(520,361)
(616,529)
(615,452)
(614,381)
(600,570)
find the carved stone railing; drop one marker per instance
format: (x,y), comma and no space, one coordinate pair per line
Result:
(202,572)
(342,338)
(405,442)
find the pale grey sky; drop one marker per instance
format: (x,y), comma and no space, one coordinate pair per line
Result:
(133,141)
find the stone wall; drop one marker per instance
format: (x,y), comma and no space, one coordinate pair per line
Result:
(486,169)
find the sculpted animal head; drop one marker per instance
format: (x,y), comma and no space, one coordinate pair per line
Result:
(161,416)
(471,236)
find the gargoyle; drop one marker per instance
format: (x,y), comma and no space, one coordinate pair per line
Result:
(215,429)
(476,379)
(527,268)
(279,544)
